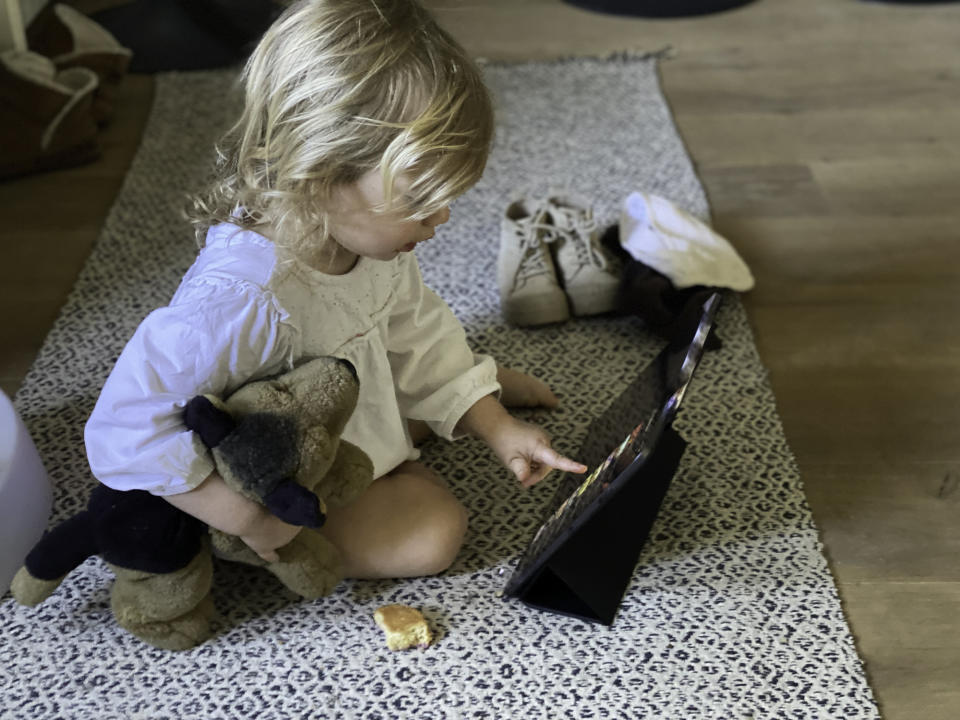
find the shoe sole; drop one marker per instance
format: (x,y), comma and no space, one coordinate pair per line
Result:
(595,303)
(536,311)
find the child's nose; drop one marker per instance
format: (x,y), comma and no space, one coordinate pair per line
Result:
(437,218)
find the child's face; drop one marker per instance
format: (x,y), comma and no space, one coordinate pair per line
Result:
(382,236)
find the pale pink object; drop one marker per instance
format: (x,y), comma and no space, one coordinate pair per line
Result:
(25,493)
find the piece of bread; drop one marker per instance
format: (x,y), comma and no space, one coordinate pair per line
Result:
(405,627)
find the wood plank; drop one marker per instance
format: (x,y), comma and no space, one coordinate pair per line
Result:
(909,635)
(816,260)
(875,516)
(849,416)
(754,138)
(888,186)
(863,86)
(867,337)
(779,190)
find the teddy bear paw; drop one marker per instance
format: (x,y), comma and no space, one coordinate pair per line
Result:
(179,633)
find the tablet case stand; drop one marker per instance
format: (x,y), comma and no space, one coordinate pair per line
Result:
(588,573)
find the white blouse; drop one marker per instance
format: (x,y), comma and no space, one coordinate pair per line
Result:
(240,315)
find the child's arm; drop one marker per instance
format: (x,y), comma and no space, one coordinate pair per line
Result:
(518,390)
(522,447)
(217,505)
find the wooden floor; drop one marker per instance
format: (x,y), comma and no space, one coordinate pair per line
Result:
(827,133)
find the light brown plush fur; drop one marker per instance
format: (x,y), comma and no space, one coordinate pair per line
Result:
(174,610)
(322,395)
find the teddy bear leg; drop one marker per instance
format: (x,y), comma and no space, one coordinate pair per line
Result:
(167,610)
(309,565)
(29,590)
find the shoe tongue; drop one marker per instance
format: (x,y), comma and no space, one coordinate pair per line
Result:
(565,217)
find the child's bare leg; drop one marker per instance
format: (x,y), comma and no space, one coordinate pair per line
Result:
(406,524)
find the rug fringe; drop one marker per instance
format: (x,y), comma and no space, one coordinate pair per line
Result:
(665,53)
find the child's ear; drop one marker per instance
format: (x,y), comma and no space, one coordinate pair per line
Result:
(211,422)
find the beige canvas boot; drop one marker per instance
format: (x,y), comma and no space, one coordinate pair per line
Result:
(71,39)
(589,275)
(529,291)
(45,116)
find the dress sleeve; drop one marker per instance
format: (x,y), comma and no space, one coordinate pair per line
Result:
(436,375)
(212,341)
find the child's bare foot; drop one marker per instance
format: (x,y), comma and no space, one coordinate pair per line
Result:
(522,390)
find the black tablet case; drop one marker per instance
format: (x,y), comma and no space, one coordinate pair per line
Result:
(588,573)
(585,570)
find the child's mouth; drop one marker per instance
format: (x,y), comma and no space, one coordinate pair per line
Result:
(410,246)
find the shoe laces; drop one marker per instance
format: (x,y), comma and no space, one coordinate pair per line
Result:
(579,230)
(532,235)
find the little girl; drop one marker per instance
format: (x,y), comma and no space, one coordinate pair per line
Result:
(363,121)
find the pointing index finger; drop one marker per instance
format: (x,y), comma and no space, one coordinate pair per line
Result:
(551,457)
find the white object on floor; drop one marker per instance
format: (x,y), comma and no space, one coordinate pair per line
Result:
(25,493)
(673,242)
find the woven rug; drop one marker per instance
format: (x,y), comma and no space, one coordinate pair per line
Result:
(731,613)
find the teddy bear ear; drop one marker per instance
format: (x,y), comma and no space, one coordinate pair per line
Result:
(294,504)
(210,422)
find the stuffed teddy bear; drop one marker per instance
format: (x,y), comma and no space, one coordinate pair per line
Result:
(277,442)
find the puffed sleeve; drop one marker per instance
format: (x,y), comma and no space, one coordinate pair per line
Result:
(436,375)
(212,341)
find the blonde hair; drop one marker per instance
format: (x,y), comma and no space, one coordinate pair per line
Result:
(335,89)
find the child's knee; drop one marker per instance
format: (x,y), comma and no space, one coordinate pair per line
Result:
(441,532)
(451,531)
(408,525)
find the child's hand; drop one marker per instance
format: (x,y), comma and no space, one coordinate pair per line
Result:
(267,534)
(521,446)
(525,449)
